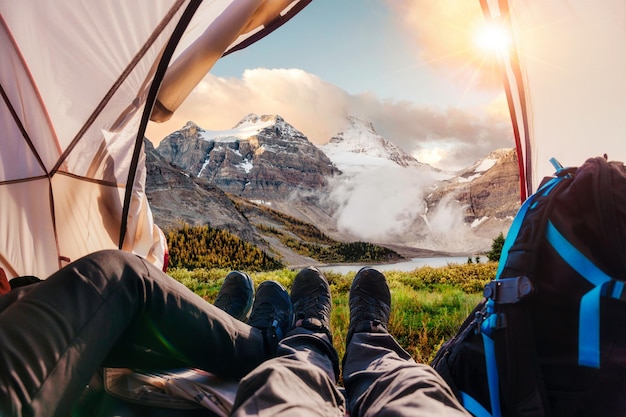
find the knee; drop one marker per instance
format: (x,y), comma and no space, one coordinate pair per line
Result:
(105,267)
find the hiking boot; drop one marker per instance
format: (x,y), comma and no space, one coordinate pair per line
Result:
(236,295)
(370,303)
(310,295)
(272,313)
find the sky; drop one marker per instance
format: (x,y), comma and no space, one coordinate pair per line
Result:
(410,67)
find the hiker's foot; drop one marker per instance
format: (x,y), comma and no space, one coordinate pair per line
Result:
(370,303)
(272,313)
(236,295)
(310,295)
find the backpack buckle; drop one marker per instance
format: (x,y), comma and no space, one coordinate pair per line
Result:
(509,290)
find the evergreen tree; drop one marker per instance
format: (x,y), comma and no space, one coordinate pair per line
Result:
(496,248)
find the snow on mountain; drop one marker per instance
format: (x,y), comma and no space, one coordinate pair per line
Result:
(262,157)
(386,196)
(252,125)
(359,145)
(380,194)
(482,165)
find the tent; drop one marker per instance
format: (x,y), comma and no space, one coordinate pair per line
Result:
(564,80)
(78,82)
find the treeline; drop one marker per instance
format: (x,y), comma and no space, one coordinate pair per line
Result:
(204,247)
(337,252)
(303,230)
(343,252)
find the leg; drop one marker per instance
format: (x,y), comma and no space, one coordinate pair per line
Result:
(380,377)
(109,308)
(301,379)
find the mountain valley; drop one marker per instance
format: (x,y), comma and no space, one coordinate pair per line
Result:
(356,187)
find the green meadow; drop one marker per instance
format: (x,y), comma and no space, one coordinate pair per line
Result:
(428,304)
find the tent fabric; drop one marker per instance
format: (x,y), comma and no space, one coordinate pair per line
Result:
(77,85)
(565,81)
(234,24)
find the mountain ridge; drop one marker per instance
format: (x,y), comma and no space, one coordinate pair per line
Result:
(482,204)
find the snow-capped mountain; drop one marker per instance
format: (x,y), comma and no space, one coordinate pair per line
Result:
(262,157)
(357,186)
(483,165)
(360,146)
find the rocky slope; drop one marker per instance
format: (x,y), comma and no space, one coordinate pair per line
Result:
(489,188)
(176,197)
(262,157)
(487,194)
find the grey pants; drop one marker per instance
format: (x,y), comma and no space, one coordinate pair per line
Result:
(380,379)
(114,309)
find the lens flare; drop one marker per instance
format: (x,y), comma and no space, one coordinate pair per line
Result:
(493,38)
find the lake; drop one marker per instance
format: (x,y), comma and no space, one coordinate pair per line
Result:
(409,265)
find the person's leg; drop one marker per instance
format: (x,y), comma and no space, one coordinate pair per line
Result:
(114,309)
(301,379)
(381,378)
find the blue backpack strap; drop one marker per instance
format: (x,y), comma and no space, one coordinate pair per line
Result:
(490,322)
(493,379)
(519,219)
(474,406)
(589,315)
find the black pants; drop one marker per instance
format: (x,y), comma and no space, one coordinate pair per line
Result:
(380,379)
(111,309)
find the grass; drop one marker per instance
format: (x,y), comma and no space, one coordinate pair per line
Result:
(428,304)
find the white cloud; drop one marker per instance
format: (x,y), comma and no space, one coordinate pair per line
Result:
(376,204)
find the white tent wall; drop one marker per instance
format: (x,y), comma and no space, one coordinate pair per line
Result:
(87,215)
(572,65)
(27,237)
(77,84)
(73,100)
(575,64)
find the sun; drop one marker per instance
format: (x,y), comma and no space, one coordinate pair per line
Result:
(493,37)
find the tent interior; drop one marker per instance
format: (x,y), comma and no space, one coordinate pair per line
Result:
(81,81)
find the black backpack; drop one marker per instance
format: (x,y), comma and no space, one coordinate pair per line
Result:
(549,337)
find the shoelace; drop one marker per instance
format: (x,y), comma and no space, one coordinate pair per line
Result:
(263,312)
(317,307)
(370,308)
(229,303)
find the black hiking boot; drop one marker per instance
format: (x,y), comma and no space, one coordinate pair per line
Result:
(236,295)
(310,295)
(370,303)
(312,303)
(272,313)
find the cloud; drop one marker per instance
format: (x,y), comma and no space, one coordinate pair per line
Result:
(313,106)
(458,136)
(379,204)
(319,109)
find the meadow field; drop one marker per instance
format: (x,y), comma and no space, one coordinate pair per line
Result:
(428,304)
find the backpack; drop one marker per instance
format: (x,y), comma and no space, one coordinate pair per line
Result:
(549,336)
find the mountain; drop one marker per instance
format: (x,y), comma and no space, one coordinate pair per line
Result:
(358,186)
(360,147)
(262,157)
(489,188)
(177,197)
